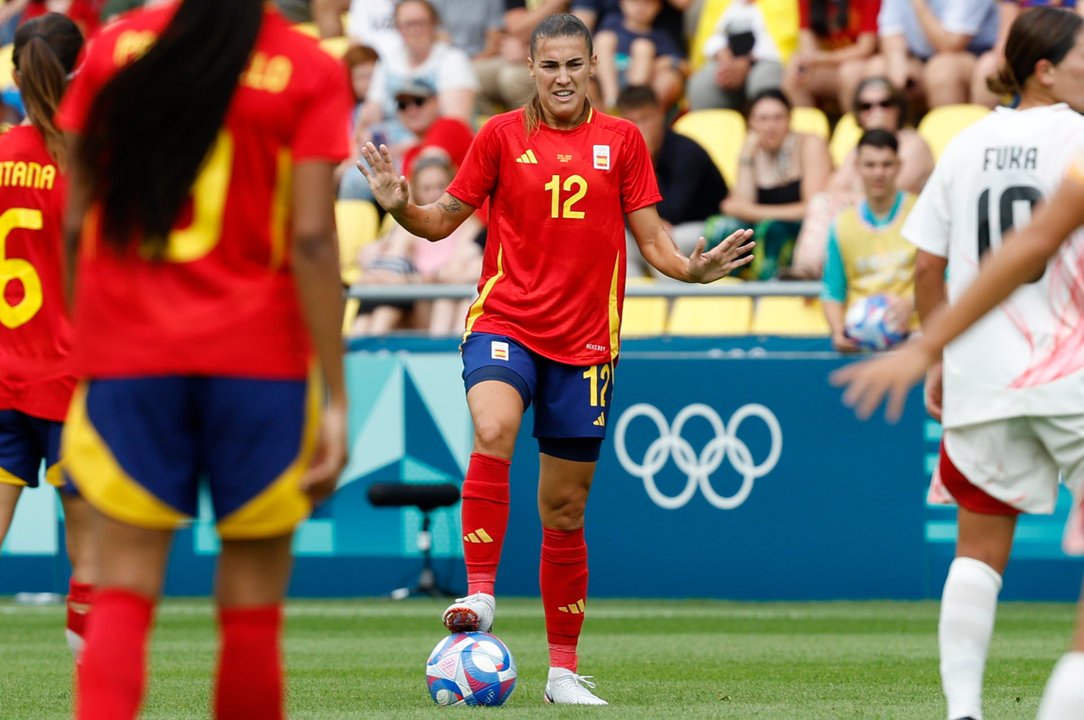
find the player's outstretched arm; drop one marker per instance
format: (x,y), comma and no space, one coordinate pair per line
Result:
(659,249)
(1021,257)
(432,222)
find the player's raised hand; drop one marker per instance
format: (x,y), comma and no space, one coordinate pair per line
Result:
(388,186)
(892,374)
(723,259)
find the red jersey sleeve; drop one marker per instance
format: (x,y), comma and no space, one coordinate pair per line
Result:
(639,188)
(321,133)
(477,176)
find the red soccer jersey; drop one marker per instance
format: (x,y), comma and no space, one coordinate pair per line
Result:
(35,373)
(553,276)
(223,301)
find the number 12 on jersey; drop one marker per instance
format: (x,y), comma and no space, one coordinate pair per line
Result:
(574,184)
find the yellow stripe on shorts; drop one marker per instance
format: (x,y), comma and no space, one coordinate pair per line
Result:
(279,508)
(9,479)
(100,478)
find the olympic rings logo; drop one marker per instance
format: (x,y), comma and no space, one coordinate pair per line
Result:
(698,468)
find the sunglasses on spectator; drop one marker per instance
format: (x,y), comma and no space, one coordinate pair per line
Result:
(407,102)
(885,104)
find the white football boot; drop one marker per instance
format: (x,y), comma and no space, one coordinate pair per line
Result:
(565,687)
(474,612)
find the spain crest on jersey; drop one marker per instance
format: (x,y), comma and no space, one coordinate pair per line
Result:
(601,154)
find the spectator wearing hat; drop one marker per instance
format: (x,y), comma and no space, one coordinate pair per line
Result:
(418,112)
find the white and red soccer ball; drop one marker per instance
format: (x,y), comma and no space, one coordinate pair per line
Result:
(473,668)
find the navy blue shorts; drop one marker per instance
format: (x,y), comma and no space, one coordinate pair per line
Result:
(570,401)
(25,441)
(138,449)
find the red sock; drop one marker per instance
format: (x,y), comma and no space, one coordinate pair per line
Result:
(249,683)
(112,674)
(79,595)
(562,577)
(485,519)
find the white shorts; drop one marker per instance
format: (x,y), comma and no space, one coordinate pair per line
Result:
(1019,461)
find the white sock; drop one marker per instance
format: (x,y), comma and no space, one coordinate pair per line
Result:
(968,606)
(1063,698)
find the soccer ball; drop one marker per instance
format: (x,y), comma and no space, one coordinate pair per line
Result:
(865,324)
(472,668)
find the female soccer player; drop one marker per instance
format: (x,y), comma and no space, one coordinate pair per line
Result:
(561,178)
(36,382)
(207,134)
(1014,384)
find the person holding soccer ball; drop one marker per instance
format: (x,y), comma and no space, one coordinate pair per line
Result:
(561,179)
(37,380)
(1013,385)
(208,293)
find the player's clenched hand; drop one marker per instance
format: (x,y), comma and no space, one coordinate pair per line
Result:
(320,479)
(721,260)
(892,374)
(388,186)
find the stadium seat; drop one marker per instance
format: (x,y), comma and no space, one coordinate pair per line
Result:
(810,120)
(336,47)
(941,124)
(789,315)
(844,138)
(721,133)
(711,315)
(6,66)
(644,316)
(357,222)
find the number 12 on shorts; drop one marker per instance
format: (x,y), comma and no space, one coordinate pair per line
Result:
(598,383)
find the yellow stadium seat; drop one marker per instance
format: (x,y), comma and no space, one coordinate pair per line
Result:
(941,124)
(336,47)
(357,222)
(644,316)
(789,315)
(844,138)
(6,66)
(781,17)
(711,315)
(809,120)
(721,133)
(307,28)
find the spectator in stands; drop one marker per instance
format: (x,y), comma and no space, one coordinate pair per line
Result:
(836,39)
(420,56)
(11,11)
(877,105)
(370,22)
(360,62)
(691,185)
(115,8)
(400,258)
(779,171)
(504,78)
(473,26)
(931,46)
(743,61)
(867,255)
(631,51)
(596,13)
(991,60)
(430,134)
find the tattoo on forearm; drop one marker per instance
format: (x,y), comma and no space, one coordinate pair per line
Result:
(451,206)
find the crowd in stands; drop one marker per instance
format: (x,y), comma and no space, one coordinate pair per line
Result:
(809,77)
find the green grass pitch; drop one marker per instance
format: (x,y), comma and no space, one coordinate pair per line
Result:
(651,659)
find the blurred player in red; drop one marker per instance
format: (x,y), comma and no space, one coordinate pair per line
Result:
(35,333)
(561,180)
(202,212)
(1013,405)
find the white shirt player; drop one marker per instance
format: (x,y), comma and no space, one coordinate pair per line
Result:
(1026,357)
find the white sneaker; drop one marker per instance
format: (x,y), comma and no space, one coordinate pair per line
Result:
(567,688)
(474,612)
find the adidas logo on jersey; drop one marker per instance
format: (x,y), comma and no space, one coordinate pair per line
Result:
(478,536)
(575,608)
(600,420)
(528,158)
